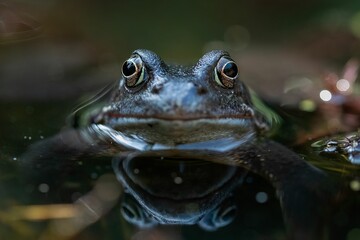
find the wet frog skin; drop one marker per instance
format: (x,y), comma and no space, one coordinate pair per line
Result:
(203,111)
(173,105)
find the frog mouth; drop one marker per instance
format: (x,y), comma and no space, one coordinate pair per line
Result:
(179,117)
(182,131)
(173,129)
(180,113)
(156,141)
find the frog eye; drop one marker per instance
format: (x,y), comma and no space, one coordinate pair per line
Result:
(133,71)
(226,72)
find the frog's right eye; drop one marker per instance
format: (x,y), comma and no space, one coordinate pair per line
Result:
(133,71)
(226,72)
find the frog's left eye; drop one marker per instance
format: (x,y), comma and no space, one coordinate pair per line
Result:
(133,71)
(226,72)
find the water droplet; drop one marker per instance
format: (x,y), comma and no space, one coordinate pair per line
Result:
(14,158)
(261,197)
(178,180)
(44,188)
(325,95)
(343,85)
(307,105)
(355,185)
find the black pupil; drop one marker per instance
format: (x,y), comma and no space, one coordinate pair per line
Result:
(129,68)
(230,69)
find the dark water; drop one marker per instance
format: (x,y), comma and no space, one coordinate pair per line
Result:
(53,51)
(100,197)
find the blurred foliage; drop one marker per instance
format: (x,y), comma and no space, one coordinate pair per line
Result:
(180,29)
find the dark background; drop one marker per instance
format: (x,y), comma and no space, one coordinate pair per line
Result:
(62,49)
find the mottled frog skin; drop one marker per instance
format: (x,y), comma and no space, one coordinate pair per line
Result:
(202,112)
(174,105)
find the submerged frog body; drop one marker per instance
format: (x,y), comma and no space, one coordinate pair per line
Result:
(203,112)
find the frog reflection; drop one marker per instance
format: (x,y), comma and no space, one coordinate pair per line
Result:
(167,188)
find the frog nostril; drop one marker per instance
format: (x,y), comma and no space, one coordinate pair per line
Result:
(201,90)
(157,88)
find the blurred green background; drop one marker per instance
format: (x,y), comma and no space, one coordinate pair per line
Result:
(180,30)
(69,47)
(46,43)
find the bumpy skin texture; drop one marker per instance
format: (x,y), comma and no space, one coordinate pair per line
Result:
(178,92)
(182,100)
(178,104)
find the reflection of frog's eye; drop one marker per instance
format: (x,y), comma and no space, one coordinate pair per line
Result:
(226,72)
(133,71)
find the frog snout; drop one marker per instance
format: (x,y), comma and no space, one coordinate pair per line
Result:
(183,95)
(190,86)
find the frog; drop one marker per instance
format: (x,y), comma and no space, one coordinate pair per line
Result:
(345,145)
(204,112)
